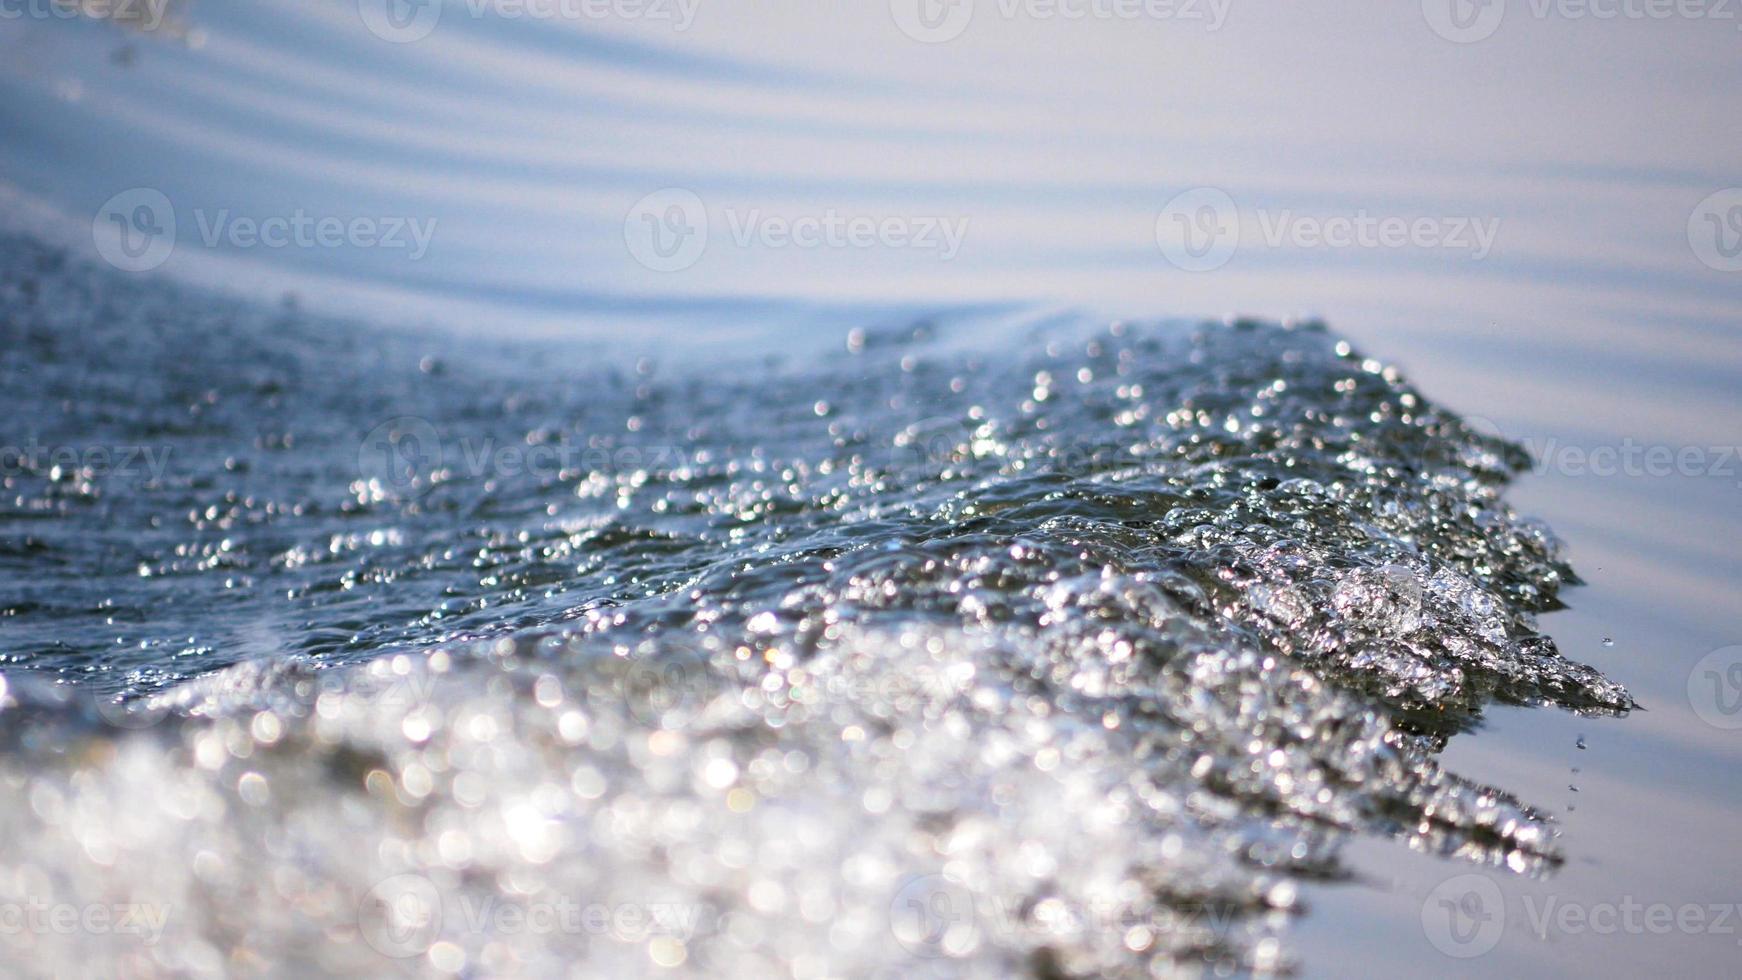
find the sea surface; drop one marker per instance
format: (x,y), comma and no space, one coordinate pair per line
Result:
(530,598)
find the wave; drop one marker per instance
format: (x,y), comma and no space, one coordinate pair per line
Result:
(1073,654)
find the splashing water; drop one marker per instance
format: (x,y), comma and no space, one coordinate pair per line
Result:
(1069,654)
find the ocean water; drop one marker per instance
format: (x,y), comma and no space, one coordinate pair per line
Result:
(1077,658)
(558,591)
